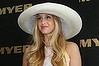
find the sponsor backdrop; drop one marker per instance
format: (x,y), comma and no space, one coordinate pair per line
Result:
(13,40)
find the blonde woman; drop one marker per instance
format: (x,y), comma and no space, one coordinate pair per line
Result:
(51,25)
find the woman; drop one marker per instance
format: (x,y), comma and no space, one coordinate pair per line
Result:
(51,25)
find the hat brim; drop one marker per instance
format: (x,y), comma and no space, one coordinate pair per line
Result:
(71,21)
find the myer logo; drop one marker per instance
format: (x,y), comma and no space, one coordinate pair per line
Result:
(89,42)
(14,9)
(84,0)
(13,49)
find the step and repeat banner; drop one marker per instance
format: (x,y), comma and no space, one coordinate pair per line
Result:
(13,41)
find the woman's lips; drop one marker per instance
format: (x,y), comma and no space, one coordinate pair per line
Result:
(44,27)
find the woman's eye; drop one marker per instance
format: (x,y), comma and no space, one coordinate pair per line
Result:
(48,17)
(38,18)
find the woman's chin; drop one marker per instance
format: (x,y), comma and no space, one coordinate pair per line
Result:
(45,33)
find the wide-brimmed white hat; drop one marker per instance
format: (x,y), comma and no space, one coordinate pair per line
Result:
(71,21)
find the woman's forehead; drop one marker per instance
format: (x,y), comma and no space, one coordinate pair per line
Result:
(43,14)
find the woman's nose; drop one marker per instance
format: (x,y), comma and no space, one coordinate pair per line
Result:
(44,21)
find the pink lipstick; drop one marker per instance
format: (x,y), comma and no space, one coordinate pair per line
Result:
(44,27)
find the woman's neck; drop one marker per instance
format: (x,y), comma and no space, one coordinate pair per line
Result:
(47,40)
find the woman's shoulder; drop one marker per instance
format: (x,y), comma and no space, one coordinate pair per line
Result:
(71,45)
(73,51)
(28,48)
(71,48)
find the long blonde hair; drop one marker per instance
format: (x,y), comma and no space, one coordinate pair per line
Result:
(36,55)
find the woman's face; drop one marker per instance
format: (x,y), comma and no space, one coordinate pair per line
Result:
(45,23)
